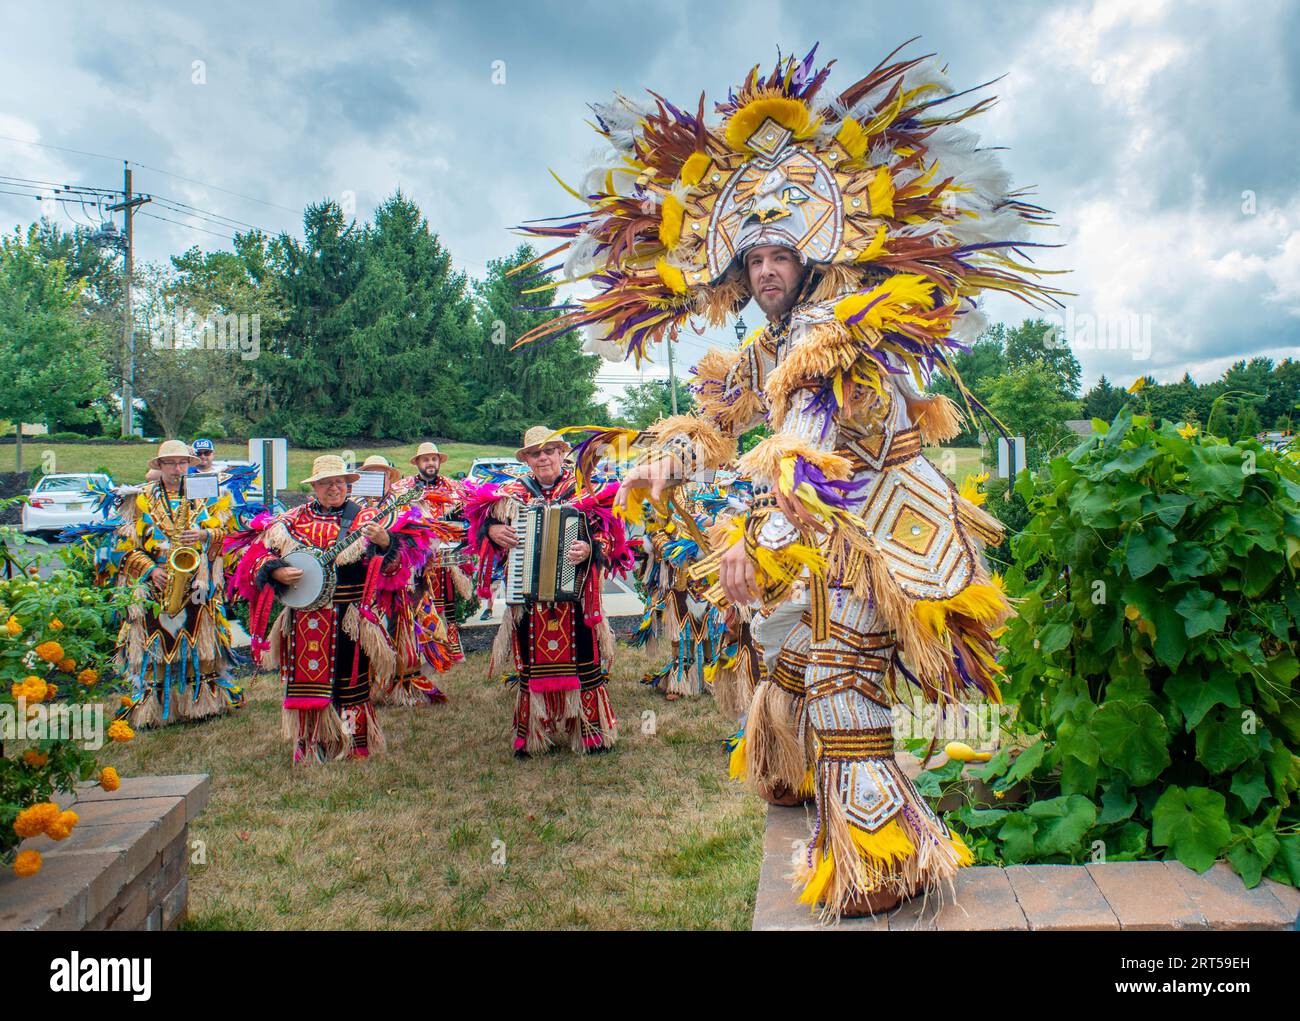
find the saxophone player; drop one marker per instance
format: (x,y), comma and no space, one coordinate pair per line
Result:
(174,645)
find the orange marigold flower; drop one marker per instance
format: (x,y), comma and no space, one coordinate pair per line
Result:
(51,691)
(108,779)
(31,688)
(126,701)
(28,863)
(33,820)
(56,624)
(120,730)
(88,677)
(61,828)
(68,665)
(51,652)
(34,758)
(13,627)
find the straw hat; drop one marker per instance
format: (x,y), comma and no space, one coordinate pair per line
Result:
(539,436)
(172,448)
(375,461)
(329,466)
(430,448)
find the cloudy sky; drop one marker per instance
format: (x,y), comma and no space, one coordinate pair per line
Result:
(1165,135)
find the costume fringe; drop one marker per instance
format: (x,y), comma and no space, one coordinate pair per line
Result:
(352,554)
(271,657)
(278,539)
(322,731)
(731,407)
(503,647)
(374,642)
(205,635)
(376,742)
(713,448)
(819,353)
(774,755)
(462,582)
(605,641)
(738,678)
(938,418)
(912,853)
(764,461)
(985,527)
(147,712)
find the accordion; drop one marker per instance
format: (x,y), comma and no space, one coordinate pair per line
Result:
(538,569)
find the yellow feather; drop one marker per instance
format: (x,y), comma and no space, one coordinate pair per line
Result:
(566,187)
(672,276)
(670,226)
(852,138)
(889,844)
(880,193)
(693,169)
(876,247)
(789,113)
(738,762)
(818,881)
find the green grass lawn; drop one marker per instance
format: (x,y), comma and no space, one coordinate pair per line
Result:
(127,463)
(652,835)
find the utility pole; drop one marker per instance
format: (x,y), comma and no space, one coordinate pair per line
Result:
(128,206)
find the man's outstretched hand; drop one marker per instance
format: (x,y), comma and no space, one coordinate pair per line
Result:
(736,573)
(656,475)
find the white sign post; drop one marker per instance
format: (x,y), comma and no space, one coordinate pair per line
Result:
(1011,457)
(276,476)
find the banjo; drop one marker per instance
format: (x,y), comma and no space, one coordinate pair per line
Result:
(316,586)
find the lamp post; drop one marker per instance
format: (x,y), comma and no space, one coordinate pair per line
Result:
(741,329)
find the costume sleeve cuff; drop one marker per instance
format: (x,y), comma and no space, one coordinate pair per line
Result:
(263,576)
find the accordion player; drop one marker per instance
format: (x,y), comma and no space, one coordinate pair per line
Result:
(556,542)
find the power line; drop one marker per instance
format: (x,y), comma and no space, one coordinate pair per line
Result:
(60,148)
(217,218)
(187,226)
(204,184)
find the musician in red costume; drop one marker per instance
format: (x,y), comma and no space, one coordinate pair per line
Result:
(428,624)
(561,649)
(327,656)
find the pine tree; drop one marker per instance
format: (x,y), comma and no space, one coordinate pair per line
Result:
(549,382)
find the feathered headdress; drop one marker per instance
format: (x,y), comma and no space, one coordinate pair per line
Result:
(879,181)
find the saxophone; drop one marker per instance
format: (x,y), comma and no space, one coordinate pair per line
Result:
(182,562)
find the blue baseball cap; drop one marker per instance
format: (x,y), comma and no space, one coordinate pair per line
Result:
(202,445)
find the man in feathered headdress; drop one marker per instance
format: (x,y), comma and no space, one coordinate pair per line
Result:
(864,227)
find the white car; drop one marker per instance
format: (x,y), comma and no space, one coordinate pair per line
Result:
(61,500)
(480,469)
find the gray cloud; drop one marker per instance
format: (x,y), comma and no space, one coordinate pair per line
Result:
(1141,124)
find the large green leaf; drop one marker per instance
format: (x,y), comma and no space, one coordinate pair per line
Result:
(1252,856)
(1017,836)
(1192,824)
(1061,823)
(1215,472)
(1221,743)
(1188,561)
(1203,611)
(1117,804)
(1026,762)
(1196,693)
(1149,549)
(1289,854)
(1132,738)
(1251,786)
(1168,507)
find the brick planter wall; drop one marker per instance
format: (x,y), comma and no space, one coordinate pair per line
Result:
(125,866)
(1113,895)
